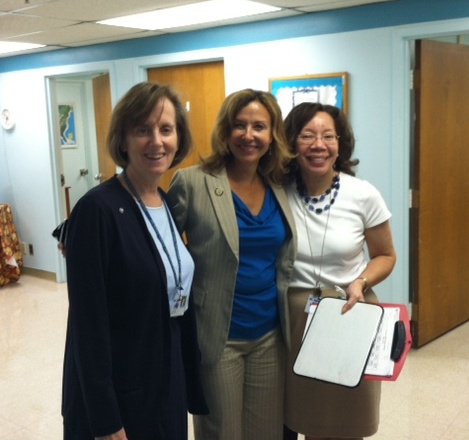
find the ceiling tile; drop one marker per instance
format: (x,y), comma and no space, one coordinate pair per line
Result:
(12,24)
(94,10)
(83,32)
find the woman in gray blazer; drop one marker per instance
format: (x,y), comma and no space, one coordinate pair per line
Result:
(241,235)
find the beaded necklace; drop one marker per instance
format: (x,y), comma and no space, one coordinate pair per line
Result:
(312,202)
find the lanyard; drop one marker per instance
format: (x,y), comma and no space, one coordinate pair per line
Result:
(178,278)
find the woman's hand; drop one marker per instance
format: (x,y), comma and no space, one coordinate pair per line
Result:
(354,293)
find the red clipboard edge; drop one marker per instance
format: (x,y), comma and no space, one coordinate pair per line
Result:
(404,317)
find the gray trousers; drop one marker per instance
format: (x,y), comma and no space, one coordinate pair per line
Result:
(245,391)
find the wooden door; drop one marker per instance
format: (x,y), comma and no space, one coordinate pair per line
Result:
(202,90)
(439,216)
(102,111)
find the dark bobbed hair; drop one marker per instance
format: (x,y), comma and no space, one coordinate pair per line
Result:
(301,114)
(273,165)
(133,110)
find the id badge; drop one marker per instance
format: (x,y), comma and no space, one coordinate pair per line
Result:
(180,305)
(310,308)
(311,303)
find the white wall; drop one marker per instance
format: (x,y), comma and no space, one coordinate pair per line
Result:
(378,64)
(28,181)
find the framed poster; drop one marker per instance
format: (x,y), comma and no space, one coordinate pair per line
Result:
(68,132)
(327,88)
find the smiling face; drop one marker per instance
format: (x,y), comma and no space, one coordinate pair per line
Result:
(152,145)
(251,134)
(317,146)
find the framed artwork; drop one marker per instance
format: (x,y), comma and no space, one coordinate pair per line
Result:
(327,88)
(68,133)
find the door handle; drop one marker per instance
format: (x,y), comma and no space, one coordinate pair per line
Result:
(98,176)
(83,172)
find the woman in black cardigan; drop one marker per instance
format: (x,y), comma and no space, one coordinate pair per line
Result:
(131,359)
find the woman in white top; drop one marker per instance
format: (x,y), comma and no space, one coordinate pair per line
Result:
(336,215)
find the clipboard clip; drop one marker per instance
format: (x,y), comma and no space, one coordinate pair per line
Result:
(398,341)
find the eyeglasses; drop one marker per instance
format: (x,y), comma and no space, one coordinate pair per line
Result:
(310,138)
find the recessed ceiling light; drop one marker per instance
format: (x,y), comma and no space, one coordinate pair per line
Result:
(179,16)
(11,46)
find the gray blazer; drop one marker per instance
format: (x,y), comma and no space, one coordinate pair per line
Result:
(202,206)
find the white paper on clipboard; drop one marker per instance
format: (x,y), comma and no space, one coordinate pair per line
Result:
(336,346)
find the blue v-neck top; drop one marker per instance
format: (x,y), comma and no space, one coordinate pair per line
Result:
(255,308)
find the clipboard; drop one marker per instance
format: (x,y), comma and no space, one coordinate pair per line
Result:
(401,343)
(336,346)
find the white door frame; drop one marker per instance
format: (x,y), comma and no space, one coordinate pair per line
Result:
(402,131)
(57,163)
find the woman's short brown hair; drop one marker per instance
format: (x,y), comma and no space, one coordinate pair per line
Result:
(133,110)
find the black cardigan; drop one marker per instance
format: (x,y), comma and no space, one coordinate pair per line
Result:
(117,354)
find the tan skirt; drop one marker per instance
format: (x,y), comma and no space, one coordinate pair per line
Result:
(319,409)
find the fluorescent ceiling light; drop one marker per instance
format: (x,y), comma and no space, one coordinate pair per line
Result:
(10,46)
(179,16)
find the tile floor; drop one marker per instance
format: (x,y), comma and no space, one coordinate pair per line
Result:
(430,400)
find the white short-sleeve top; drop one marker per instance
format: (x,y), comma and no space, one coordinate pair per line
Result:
(342,258)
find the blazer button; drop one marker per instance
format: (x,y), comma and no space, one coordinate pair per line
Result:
(219,191)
